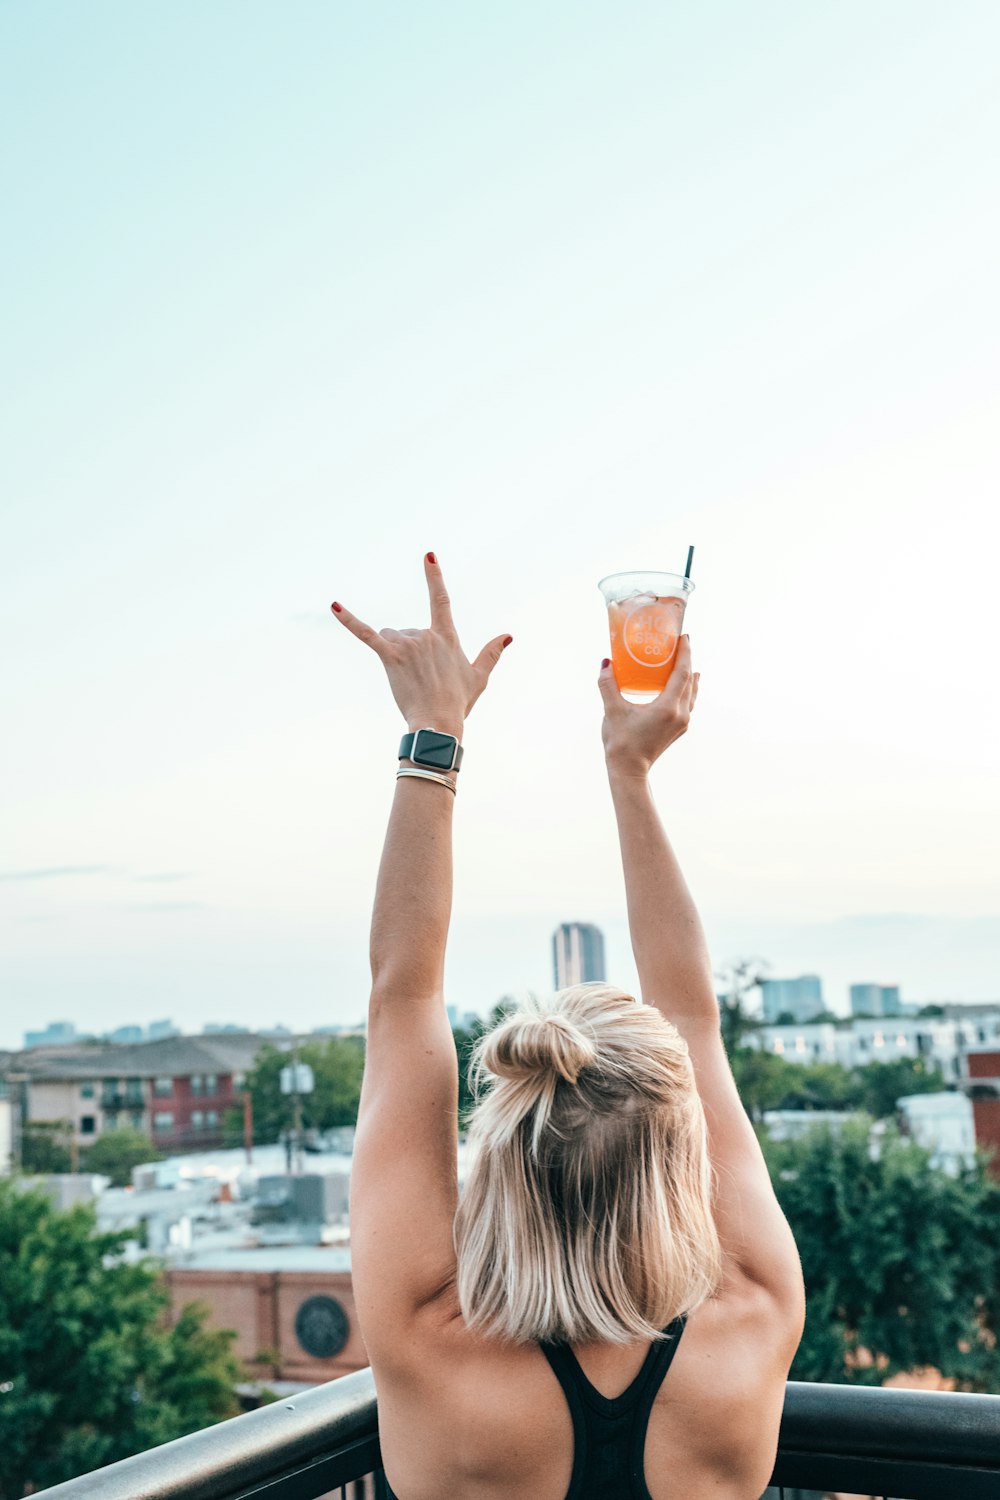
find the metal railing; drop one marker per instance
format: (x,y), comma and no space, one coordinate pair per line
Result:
(887,1444)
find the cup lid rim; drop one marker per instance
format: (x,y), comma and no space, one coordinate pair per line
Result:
(677,578)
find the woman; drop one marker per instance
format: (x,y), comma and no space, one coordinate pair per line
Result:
(618,1218)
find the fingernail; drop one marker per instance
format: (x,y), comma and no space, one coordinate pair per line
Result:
(605,663)
(431,558)
(507,639)
(336,607)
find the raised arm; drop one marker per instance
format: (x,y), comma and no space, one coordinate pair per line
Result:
(404,1176)
(675,974)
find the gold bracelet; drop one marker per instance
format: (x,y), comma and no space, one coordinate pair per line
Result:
(426,776)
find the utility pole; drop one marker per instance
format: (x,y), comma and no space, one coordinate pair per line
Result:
(248,1125)
(297,1079)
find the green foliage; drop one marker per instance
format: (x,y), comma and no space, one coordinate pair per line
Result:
(762,1078)
(766,1080)
(117,1151)
(465,1041)
(879,1085)
(337,1064)
(901,1260)
(45,1147)
(94,1374)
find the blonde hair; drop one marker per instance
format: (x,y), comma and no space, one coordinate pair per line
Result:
(586,1214)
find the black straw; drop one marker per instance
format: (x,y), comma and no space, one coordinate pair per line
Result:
(687,570)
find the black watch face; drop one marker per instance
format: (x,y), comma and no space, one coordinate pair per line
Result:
(434,750)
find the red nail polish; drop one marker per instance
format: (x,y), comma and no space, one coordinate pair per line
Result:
(336,607)
(605,663)
(431,558)
(507,639)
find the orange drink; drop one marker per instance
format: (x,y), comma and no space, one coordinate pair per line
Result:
(646,617)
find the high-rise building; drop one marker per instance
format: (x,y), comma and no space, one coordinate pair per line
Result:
(56,1034)
(577,954)
(800,998)
(875,1000)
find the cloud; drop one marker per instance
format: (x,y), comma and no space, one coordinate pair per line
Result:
(55,872)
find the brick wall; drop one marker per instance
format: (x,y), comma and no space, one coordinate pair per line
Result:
(262,1307)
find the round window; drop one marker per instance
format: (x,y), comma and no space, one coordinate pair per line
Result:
(321,1327)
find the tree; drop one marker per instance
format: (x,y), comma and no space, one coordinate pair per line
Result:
(465,1041)
(740,976)
(337,1064)
(879,1084)
(91,1374)
(763,1080)
(901,1260)
(45,1147)
(117,1151)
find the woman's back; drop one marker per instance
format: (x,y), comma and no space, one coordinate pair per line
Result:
(477,1419)
(617,1184)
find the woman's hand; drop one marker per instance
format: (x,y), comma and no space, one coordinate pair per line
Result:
(636,734)
(432,680)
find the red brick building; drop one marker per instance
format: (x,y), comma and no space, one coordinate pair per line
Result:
(175,1089)
(293,1305)
(981,1081)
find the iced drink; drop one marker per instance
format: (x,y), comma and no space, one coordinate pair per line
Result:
(646,617)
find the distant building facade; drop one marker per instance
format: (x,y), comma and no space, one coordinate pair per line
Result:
(942,1041)
(944,1124)
(56,1034)
(981,1081)
(875,1000)
(577,954)
(296,1303)
(800,998)
(175,1090)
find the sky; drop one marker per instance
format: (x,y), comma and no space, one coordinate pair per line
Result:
(292,294)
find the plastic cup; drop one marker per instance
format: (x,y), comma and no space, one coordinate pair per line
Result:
(646,617)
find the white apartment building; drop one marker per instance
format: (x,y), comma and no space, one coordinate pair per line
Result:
(939,1040)
(943,1123)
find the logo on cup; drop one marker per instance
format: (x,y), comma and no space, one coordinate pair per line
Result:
(649,636)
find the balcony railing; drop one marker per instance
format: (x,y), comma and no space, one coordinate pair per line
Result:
(907,1445)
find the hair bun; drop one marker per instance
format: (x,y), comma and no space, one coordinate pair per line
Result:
(526,1045)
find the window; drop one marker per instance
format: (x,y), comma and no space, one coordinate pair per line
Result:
(111,1119)
(163,1121)
(196,1084)
(133,1090)
(212,1118)
(135,1119)
(86,1125)
(197,1119)
(211,1083)
(163,1088)
(109,1091)
(86,1091)
(779,1045)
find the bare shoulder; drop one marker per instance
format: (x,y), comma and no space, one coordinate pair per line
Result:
(715,1420)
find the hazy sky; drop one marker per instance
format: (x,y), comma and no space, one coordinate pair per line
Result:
(293,293)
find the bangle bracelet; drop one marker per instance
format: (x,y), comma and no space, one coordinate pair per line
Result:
(427,776)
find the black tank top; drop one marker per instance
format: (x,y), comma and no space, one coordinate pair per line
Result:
(609,1432)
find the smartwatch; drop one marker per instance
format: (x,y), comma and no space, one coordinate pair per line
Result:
(431,748)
